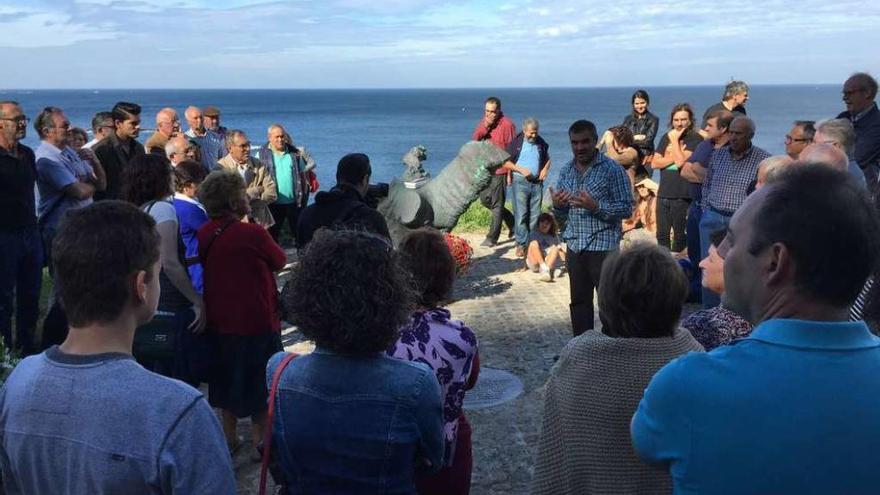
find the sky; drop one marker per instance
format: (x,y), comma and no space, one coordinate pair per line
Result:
(99,44)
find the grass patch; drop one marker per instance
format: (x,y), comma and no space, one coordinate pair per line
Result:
(475,219)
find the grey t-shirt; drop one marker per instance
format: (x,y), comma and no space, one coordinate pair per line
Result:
(102,424)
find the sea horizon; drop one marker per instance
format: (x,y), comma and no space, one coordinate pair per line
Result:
(385,123)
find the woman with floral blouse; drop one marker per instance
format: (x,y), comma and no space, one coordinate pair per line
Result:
(448,347)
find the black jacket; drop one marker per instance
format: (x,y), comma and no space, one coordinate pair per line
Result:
(340,207)
(114,159)
(646,125)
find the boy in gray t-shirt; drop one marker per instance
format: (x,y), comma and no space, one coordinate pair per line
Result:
(84,417)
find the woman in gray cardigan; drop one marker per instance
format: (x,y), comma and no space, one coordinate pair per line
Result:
(596,385)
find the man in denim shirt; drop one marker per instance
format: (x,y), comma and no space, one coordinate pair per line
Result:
(592,197)
(84,417)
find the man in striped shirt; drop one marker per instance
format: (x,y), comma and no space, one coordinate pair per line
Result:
(592,196)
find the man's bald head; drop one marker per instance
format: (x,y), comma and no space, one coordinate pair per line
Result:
(167,122)
(825,154)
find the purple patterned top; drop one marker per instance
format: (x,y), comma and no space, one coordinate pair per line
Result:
(449,348)
(716,326)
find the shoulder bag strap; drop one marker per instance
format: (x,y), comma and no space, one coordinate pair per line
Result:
(217,233)
(267,430)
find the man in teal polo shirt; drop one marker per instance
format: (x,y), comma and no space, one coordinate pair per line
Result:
(794,407)
(290,166)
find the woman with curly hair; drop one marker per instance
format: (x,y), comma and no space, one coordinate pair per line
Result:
(349,418)
(147,183)
(239,260)
(448,347)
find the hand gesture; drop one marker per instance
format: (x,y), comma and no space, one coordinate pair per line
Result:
(674,134)
(582,199)
(198,324)
(560,198)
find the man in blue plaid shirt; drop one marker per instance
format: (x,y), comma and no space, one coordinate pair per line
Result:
(731,171)
(592,197)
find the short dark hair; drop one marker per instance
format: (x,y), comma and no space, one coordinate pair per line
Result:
(724,117)
(79,132)
(221,194)
(840,213)
(717,237)
(102,119)
(641,293)
(349,292)
(188,172)
(495,100)
(96,251)
(45,120)
(426,255)
(623,135)
(808,126)
(580,126)
(146,178)
(640,93)
(352,168)
(124,110)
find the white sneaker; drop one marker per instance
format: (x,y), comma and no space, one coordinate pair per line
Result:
(546,276)
(557,272)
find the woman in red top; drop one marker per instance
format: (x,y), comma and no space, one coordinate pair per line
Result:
(241,301)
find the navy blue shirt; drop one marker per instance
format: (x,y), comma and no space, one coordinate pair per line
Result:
(702,155)
(793,408)
(18,174)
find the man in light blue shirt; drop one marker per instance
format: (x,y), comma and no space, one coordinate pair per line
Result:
(211,146)
(530,152)
(792,408)
(85,417)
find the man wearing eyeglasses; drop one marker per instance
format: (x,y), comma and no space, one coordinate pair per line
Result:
(799,137)
(21,261)
(64,182)
(167,126)
(859,92)
(261,189)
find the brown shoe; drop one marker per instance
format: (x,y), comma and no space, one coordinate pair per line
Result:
(520,252)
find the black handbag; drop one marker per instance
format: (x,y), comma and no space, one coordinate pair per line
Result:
(154,341)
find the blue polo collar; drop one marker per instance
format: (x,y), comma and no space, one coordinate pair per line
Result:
(816,334)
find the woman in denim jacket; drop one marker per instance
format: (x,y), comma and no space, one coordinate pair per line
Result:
(348,418)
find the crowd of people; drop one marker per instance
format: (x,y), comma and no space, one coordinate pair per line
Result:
(771,390)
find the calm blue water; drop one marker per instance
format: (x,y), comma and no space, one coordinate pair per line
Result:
(386,123)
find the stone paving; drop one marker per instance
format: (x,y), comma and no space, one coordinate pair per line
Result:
(521,323)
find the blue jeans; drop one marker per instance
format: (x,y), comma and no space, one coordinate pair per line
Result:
(710,222)
(21,273)
(527,197)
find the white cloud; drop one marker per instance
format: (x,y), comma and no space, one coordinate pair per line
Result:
(557,31)
(47,29)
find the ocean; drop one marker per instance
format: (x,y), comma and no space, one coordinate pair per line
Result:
(385,124)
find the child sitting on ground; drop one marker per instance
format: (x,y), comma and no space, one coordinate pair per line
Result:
(544,249)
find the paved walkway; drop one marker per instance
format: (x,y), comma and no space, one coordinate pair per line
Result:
(521,323)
